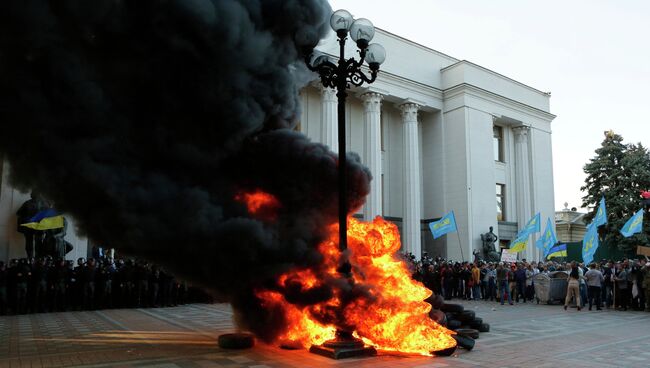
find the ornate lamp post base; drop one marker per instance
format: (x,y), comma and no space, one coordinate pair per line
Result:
(343,346)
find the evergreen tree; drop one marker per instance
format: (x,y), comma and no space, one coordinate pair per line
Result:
(618,172)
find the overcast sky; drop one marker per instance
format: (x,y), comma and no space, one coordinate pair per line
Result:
(593,56)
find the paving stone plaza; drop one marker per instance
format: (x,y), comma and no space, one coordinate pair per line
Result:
(523,335)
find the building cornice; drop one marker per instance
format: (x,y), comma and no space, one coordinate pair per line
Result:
(465,88)
(412,43)
(466,62)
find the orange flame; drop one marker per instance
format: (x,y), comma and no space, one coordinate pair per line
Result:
(394,317)
(260,204)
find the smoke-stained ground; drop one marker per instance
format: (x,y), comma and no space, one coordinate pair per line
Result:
(143,119)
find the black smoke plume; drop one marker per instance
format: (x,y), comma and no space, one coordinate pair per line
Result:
(144,119)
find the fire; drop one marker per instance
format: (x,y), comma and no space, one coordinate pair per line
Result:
(260,204)
(391,315)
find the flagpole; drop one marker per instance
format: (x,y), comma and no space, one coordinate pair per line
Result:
(458,235)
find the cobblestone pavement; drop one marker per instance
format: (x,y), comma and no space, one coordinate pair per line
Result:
(523,335)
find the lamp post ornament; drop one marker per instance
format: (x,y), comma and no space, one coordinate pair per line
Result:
(341,75)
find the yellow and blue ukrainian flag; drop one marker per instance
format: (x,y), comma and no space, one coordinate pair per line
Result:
(520,243)
(45,220)
(557,251)
(633,225)
(446,224)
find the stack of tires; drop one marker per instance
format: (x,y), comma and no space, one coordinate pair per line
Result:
(454,316)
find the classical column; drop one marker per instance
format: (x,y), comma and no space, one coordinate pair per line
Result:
(412,191)
(522,182)
(372,152)
(329,127)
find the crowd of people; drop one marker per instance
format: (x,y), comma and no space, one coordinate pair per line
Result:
(51,285)
(606,284)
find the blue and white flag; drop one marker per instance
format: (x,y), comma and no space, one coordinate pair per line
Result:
(531,227)
(633,225)
(547,240)
(601,214)
(446,224)
(590,243)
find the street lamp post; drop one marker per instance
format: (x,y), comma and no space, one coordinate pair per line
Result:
(341,75)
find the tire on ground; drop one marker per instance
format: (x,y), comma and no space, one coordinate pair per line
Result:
(484,327)
(476,322)
(236,341)
(466,316)
(468,332)
(454,308)
(464,342)
(453,324)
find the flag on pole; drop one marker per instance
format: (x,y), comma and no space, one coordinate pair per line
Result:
(548,238)
(446,224)
(590,243)
(532,226)
(633,225)
(519,244)
(45,220)
(557,251)
(601,214)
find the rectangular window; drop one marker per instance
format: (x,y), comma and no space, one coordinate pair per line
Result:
(501,202)
(497,133)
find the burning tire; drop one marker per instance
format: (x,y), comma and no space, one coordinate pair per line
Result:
(468,332)
(438,316)
(236,341)
(464,342)
(453,308)
(445,352)
(436,301)
(484,327)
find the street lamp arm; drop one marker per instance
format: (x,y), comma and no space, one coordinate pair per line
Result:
(356,76)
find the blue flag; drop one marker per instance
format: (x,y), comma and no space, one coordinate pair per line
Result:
(590,243)
(446,224)
(601,214)
(531,227)
(548,239)
(557,251)
(633,225)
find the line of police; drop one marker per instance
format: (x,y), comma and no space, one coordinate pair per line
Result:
(45,285)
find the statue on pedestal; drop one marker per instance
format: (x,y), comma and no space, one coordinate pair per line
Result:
(33,238)
(489,251)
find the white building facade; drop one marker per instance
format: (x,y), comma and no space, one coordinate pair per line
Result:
(438,134)
(442,134)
